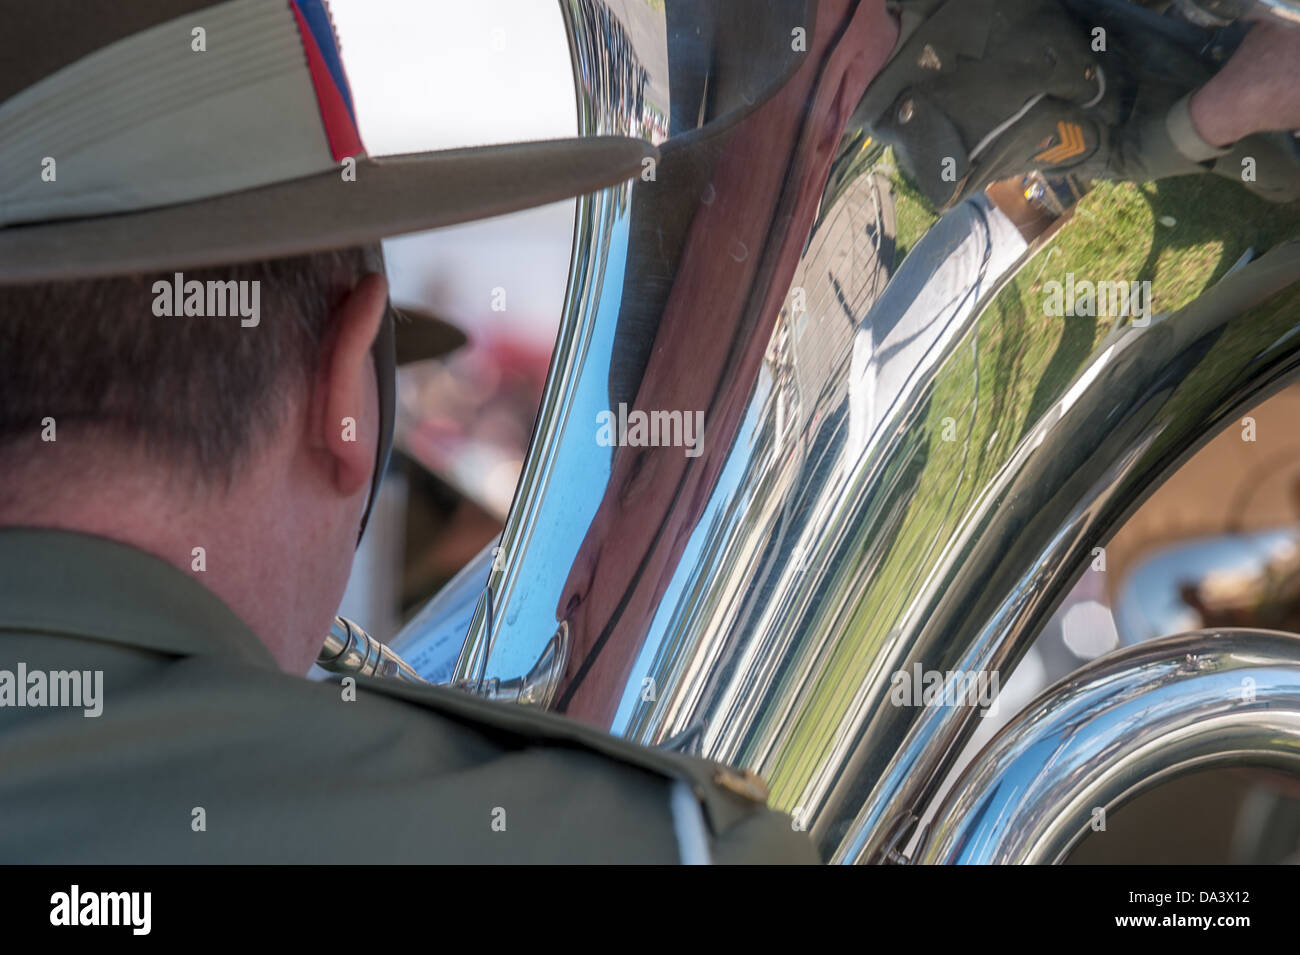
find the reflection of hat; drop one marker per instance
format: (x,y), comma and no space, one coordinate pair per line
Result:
(168,134)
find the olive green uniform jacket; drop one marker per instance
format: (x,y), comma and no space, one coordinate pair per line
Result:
(205,752)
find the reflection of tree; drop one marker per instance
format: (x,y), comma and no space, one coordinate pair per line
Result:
(613,80)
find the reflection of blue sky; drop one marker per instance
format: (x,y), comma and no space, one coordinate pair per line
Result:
(1149,605)
(575,491)
(722,500)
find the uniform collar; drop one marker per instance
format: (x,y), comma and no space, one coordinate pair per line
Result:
(79,585)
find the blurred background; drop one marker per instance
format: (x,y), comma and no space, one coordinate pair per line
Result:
(464,420)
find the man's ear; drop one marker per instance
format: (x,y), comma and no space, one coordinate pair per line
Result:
(348,421)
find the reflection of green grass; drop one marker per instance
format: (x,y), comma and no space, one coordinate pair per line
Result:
(913,212)
(1024,360)
(1117,233)
(1273,319)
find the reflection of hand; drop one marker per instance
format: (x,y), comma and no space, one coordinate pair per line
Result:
(1255,91)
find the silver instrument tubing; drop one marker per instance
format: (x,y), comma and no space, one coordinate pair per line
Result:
(350,650)
(892,474)
(1119,727)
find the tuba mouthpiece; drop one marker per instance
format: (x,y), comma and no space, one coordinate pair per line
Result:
(349,649)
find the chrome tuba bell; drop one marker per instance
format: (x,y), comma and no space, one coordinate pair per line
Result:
(906,461)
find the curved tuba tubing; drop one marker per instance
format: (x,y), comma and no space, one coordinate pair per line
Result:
(1122,725)
(801,439)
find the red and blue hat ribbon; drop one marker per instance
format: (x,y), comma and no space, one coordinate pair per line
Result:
(330,81)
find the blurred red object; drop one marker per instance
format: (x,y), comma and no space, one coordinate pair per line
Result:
(467,418)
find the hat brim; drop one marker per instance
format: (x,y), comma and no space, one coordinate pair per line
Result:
(390,196)
(420,335)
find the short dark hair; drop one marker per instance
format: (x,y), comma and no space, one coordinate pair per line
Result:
(93,354)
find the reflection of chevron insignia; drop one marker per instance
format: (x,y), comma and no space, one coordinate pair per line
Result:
(1071,145)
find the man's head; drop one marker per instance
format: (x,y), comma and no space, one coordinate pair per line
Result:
(173,431)
(221,132)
